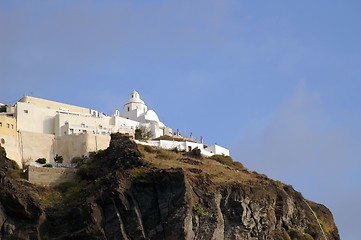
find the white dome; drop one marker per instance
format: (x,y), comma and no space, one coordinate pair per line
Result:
(150,115)
(135,98)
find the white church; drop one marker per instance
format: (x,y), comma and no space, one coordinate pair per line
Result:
(38,128)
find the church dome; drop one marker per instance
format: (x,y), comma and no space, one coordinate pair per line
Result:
(135,98)
(150,115)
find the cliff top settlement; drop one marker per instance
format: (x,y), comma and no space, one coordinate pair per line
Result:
(38,128)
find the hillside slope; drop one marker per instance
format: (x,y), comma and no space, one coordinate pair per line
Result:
(138,192)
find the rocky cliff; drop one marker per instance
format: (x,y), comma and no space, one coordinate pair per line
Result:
(137,192)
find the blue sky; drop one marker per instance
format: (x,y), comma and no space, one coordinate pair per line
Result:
(277,82)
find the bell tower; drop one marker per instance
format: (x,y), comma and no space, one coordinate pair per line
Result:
(134,107)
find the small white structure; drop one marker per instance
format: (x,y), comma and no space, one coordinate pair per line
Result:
(215,149)
(186,146)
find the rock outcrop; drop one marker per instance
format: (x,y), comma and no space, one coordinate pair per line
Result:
(123,196)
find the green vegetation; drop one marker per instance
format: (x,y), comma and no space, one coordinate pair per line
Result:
(139,174)
(199,210)
(48,165)
(164,155)
(94,167)
(158,153)
(227,160)
(277,183)
(308,236)
(148,149)
(142,133)
(172,138)
(58,159)
(14,173)
(41,160)
(280,234)
(2,108)
(71,191)
(79,160)
(208,194)
(195,153)
(297,234)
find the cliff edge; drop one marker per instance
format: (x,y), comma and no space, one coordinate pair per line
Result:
(140,192)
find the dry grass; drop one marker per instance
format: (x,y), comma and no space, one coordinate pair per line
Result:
(217,172)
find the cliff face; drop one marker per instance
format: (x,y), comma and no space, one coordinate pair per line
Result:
(127,194)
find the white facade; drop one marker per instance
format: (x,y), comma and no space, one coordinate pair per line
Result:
(187,146)
(215,149)
(42,128)
(136,110)
(135,107)
(53,128)
(48,117)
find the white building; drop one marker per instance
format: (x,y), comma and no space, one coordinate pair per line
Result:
(38,128)
(60,119)
(136,110)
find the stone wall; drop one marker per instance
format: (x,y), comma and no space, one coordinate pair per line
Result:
(36,145)
(71,146)
(50,176)
(28,146)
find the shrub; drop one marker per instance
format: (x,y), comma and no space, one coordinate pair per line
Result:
(142,133)
(41,160)
(297,234)
(175,149)
(227,160)
(149,149)
(164,155)
(71,191)
(78,160)
(99,154)
(13,173)
(199,210)
(3,108)
(280,234)
(139,174)
(58,159)
(195,153)
(48,165)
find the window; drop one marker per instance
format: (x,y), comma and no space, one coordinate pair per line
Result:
(128,109)
(8,125)
(71,131)
(1,124)
(26,111)
(12,126)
